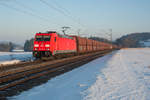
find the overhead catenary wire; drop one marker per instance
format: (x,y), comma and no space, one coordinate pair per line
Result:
(53,7)
(24,11)
(61,11)
(24,6)
(74,18)
(64,9)
(59,6)
(31,12)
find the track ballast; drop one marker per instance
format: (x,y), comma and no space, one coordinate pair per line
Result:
(18,78)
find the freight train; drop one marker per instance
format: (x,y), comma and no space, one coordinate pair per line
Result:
(51,44)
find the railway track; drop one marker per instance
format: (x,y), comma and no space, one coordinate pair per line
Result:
(17,75)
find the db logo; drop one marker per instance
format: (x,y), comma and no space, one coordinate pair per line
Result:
(42,45)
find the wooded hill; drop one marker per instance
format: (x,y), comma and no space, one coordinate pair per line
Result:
(133,40)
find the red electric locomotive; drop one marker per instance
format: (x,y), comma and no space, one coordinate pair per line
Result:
(52,43)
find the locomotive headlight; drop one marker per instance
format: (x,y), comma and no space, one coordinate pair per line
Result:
(36,45)
(47,45)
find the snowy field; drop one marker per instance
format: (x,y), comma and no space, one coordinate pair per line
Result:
(14,57)
(122,75)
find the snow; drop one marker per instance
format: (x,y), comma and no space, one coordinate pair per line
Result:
(69,86)
(9,62)
(126,77)
(145,43)
(122,75)
(14,57)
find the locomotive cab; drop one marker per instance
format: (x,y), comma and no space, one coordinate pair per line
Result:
(44,44)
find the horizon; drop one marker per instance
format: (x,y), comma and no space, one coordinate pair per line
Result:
(1,41)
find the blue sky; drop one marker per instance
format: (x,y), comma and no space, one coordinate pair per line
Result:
(96,17)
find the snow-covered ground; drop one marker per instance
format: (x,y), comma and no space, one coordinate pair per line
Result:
(14,57)
(122,75)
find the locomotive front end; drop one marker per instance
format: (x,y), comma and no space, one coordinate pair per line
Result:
(43,45)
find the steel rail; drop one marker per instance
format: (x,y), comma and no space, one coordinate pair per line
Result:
(18,77)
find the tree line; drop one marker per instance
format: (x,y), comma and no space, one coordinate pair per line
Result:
(6,46)
(28,46)
(130,40)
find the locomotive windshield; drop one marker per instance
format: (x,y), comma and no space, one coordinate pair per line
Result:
(43,38)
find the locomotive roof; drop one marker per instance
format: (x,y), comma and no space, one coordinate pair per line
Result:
(60,35)
(48,32)
(51,32)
